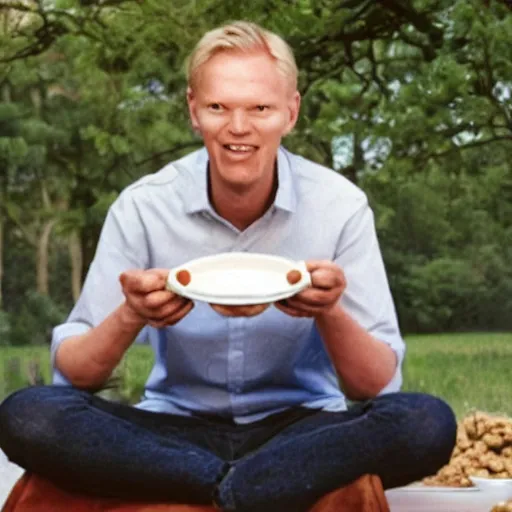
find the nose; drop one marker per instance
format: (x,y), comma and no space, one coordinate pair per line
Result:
(239,122)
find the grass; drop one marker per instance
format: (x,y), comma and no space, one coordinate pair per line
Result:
(469,371)
(127,383)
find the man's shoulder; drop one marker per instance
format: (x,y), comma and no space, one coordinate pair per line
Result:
(323,180)
(168,176)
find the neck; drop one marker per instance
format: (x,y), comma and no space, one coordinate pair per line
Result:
(242,207)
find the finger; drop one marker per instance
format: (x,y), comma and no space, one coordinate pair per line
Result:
(173,318)
(166,316)
(314,300)
(157,299)
(313,265)
(286,308)
(137,302)
(314,297)
(167,309)
(304,309)
(245,310)
(144,281)
(327,278)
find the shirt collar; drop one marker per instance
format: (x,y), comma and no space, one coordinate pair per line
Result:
(196,193)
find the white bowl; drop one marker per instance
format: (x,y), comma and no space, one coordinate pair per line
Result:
(499,488)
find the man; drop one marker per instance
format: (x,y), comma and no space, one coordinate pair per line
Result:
(247,412)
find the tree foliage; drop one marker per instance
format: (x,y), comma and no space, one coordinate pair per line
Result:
(411,100)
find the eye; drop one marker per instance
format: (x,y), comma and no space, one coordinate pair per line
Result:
(216,107)
(262,108)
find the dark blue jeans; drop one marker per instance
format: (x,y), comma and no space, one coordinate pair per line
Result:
(284,462)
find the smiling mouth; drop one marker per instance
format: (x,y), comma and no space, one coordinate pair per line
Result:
(240,148)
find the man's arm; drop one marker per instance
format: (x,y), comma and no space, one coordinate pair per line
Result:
(88,360)
(364,365)
(356,320)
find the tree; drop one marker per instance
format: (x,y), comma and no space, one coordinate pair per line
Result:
(411,100)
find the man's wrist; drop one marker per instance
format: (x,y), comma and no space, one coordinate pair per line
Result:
(332,313)
(129,318)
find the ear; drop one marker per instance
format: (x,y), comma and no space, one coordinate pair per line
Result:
(293,110)
(192,109)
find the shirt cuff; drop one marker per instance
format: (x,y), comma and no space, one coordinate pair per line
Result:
(395,383)
(60,333)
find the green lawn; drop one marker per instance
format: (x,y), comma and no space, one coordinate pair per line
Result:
(470,371)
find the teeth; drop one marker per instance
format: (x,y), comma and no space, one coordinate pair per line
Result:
(232,147)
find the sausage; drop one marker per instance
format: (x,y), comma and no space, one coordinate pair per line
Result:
(294,276)
(183,277)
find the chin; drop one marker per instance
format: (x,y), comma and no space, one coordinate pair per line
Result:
(238,184)
(239,174)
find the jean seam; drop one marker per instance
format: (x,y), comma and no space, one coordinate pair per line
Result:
(225,497)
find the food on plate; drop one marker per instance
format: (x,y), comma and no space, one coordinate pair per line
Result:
(294,276)
(245,310)
(483,448)
(504,506)
(183,277)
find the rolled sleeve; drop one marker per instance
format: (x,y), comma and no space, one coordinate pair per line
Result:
(60,333)
(367,297)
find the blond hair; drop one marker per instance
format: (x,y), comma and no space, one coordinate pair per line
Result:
(246,37)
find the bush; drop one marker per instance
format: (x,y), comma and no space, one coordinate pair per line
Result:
(443,294)
(454,294)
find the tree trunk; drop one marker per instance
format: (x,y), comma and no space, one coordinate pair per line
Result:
(89,240)
(76,258)
(1,258)
(42,257)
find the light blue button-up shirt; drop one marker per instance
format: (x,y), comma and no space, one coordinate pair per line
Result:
(243,368)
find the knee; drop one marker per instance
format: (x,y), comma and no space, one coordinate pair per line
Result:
(29,415)
(432,428)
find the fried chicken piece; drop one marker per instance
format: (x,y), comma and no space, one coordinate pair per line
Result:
(494,441)
(504,506)
(493,462)
(507,452)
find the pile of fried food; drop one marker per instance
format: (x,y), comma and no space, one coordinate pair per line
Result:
(503,507)
(484,448)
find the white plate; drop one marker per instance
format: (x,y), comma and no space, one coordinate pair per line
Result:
(490,483)
(239,278)
(439,501)
(424,498)
(433,488)
(500,488)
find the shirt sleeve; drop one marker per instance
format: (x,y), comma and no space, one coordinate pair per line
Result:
(122,246)
(367,297)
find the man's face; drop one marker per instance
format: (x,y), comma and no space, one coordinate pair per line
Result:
(242,106)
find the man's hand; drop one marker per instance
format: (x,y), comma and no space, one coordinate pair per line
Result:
(327,285)
(149,301)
